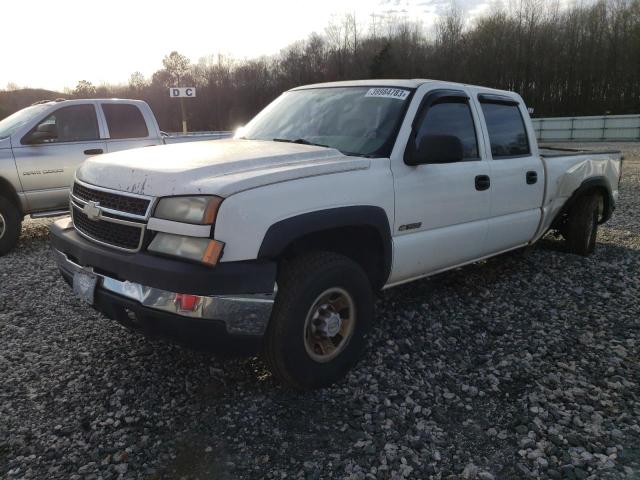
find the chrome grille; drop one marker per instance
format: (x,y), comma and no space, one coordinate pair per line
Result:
(119,235)
(111,200)
(111,218)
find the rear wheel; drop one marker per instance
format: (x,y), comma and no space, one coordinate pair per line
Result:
(582,225)
(322,313)
(10,225)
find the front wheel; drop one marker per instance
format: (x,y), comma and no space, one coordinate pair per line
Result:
(582,226)
(323,310)
(10,225)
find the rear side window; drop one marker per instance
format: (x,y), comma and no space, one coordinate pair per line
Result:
(507,132)
(451,118)
(124,121)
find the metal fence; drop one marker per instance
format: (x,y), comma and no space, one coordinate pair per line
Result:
(585,129)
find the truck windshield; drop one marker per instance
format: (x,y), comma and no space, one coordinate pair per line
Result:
(360,121)
(18,119)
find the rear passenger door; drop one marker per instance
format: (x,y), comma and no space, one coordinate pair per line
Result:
(126,127)
(517,175)
(442,207)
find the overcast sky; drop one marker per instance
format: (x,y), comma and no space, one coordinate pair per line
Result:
(54,44)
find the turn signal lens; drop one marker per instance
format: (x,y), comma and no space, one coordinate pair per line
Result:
(213,252)
(211,212)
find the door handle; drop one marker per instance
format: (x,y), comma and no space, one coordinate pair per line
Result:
(93,151)
(532,177)
(483,182)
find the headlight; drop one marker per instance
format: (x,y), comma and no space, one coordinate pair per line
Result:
(199,249)
(201,210)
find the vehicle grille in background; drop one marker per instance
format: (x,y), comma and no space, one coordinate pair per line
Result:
(115,234)
(113,201)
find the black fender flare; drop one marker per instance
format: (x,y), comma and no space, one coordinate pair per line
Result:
(281,234)
(593,183)
(9,192)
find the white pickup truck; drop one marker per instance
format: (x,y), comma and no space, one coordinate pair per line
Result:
(41,147)
(280,237)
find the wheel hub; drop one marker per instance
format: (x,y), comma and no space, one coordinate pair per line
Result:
(327,322)
(2,226)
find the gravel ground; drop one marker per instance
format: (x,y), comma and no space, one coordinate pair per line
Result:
(523,366)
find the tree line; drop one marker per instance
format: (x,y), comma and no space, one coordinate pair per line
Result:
(578,60)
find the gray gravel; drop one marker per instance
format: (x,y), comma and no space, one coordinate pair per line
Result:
(523,366)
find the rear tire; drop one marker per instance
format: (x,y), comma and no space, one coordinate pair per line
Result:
(582,226)
(10,225)
(322,313)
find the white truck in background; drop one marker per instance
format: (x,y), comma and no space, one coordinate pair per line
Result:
(280,237)
(41,147)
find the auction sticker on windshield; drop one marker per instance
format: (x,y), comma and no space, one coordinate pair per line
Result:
(398,93)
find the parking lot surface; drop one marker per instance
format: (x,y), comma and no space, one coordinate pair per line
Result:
(523,366)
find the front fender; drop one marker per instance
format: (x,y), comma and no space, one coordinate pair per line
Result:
(247,221)
(285,232)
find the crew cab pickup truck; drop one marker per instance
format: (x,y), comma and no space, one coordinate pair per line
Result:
(42,145)
(280,237)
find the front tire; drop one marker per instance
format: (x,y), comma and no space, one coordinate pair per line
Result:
(582,226)
(10,226)
(322,313)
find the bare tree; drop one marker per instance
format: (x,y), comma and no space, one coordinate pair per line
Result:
(177,65)
(137,82)
(84,89)
(564,60)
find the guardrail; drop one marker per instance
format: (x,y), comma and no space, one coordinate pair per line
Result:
(588,129)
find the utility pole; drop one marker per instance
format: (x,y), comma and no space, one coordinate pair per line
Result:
(184,116)
(182,93)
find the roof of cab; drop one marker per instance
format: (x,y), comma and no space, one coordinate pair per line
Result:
(398,83)
(86,100)
(414,83)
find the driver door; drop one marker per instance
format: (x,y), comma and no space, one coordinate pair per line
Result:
(442,207)
(48,156)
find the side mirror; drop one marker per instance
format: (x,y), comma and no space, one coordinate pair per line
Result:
(42,133)
(436,149)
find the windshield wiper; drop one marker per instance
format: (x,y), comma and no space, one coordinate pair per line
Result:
(354,154)
(301,141)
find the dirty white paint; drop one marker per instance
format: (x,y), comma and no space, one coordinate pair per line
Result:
(220,167)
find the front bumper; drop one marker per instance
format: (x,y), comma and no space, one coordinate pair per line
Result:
(173,275)
(214,317)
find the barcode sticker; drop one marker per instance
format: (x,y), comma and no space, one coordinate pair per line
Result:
(397,93)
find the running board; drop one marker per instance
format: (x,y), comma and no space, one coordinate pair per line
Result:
(52,213)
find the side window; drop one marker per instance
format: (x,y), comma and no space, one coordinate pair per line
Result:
(76,123)
(507,132)
(451,117)
(124,121)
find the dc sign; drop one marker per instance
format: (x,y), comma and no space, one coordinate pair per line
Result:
(184,92)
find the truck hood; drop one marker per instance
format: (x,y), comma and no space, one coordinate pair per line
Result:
(216,167)
(5,143)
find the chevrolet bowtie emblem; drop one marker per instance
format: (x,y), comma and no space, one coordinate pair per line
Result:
(92,210)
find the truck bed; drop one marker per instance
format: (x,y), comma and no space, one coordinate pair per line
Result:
(553,151)
(565,171)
